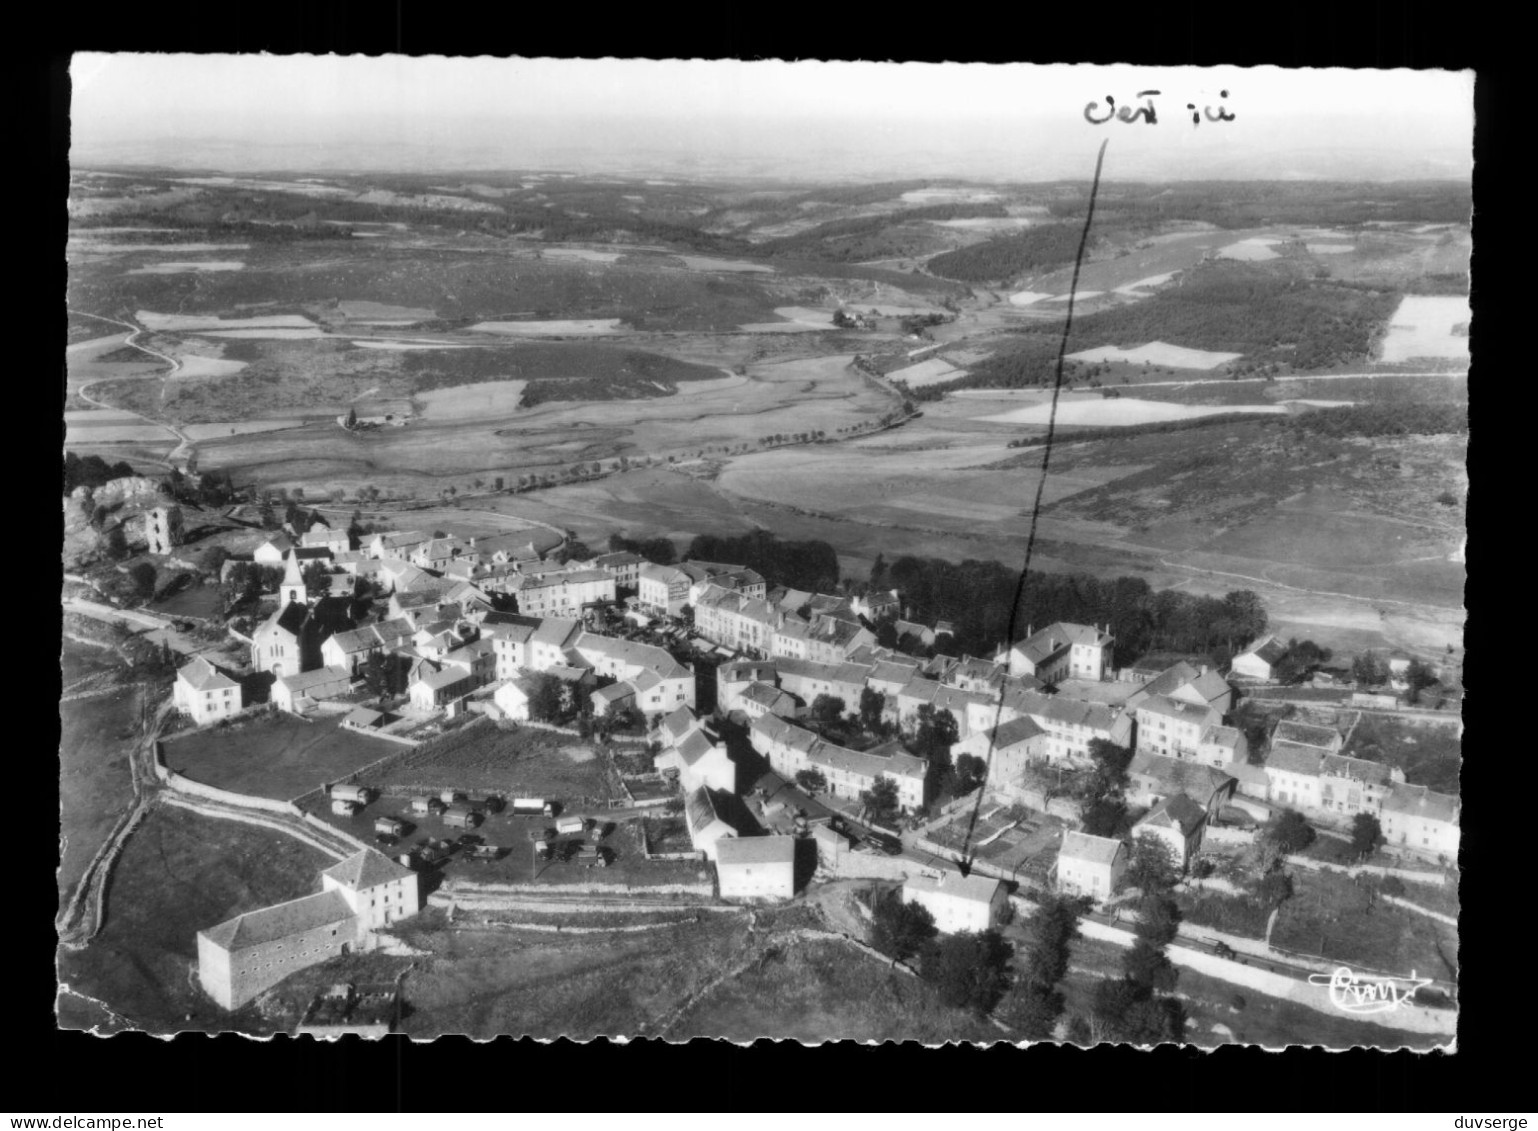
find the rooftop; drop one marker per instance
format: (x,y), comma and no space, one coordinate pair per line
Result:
(745,850)
(974,889)
(253,928)
(1177,811)
(201,675)
(1093,849)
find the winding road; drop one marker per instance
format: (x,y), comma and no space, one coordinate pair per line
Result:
(185,447)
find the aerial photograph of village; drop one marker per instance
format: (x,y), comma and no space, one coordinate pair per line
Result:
(824,551)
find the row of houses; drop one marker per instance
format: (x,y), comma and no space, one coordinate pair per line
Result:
(790,749)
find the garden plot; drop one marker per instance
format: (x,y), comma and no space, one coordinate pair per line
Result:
(153,321)
(1256,248)
(1117,412)
(198,432)
(1157,353)
(1423,327)
(584,326)
(109,426)
(403,344)
(1137,289)
(277,332)
(1028,298)
(381,313)
(586,255)
(930,372)
(705,263)
(178,268)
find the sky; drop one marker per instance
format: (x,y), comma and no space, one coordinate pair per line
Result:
(847,119)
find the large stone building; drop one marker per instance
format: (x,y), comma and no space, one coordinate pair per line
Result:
(205,694)
(1062,651)
(244,956)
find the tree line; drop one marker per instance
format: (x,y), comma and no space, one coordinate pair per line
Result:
(92,471)
(977,597)
(1004,257)
(810,565)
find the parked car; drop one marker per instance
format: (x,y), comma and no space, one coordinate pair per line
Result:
(387,840)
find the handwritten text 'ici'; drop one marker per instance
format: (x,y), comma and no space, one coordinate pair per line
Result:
(1147,113)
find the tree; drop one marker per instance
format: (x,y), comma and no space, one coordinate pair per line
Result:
(143,576)
(1370,669)
(546,703)
(1419,675)
(971,772)
(1153,866)
(1034,1012)
(828,709)
(1289,831)
(898,929)
(872,707)
(352,418)
(1101,793)
(267,516)
(1273,890)
(355,528)
(937,732)
(1366,834)
(214,559)
(879,803)
(970,971)
(811,780)
(317,578)
(117,544)
(378,676)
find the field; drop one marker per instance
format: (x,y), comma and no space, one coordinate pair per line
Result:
(814,990)
(1329,915)
(1098,411)
(181,873)
(95,787)
(1157,353)
(1427,327)
(481,756)
(277,756)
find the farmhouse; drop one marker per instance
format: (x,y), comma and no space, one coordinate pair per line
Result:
(661,683)
(513,697)
(1223,747)
(1257,663)
(548,645)
(299,692)
(397,576)
(1154,777)
(1420,820)
(434,689)
(273,550)
(1178,822)
(205,693)
(760,698)
(615,697)
(318,536)
(1190,683)
(756,867)
(957,902)
(1090,865)
(830,639)
(1173,727)
(351,650)
(1061,651)
(1009,748)
(706,829)
(700,759)
(735,678)
(243,956)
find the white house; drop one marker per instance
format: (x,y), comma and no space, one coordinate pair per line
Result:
(433,689)
(1062,651)
(243,956)
(298,692)
(1177,821)
(706,828)
(756,867)
(700,759)
(1173,727)
(564,594)
(1090,865)
(1258,662)
(957,902)
(205,693)
(512,698)
(1424,822)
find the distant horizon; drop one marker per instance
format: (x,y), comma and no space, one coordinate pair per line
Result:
(771,120)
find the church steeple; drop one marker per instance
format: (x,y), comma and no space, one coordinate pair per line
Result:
(293,589)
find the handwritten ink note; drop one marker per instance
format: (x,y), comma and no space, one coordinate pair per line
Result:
(1148,112)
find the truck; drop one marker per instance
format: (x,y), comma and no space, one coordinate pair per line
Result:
(460,817)
(592,856)
(532,807)
(343,808)
(358,794)
(449,796)
(568,825)
(426,806)
(389,826)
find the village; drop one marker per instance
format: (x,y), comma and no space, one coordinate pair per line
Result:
(750,743)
